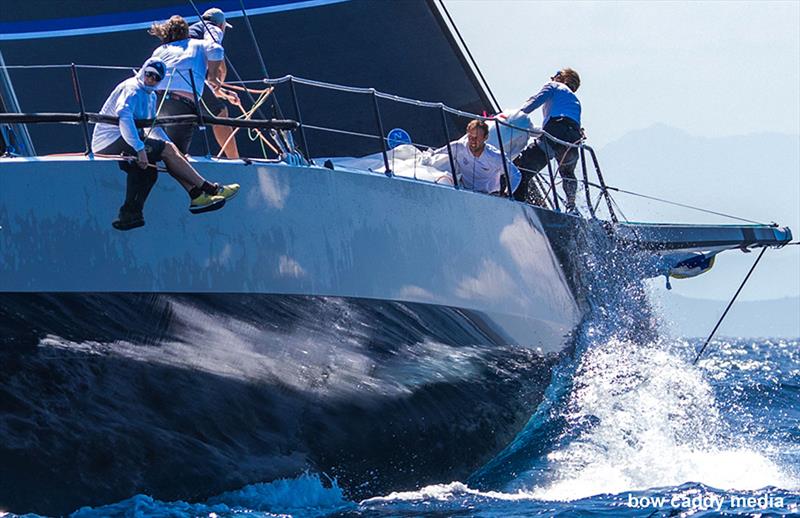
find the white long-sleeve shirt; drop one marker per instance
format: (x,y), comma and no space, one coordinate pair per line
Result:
(480,173)
(130,100)
(184,56)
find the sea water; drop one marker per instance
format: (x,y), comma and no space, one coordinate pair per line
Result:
(627,429)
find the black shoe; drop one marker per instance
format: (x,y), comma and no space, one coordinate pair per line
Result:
(128,222)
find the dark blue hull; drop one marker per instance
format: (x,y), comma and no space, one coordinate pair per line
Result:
(186,396)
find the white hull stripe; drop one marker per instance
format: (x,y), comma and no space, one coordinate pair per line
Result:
(88,25)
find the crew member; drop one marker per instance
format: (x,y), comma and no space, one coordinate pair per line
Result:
(562,119)
(190,62)
(212,27)
(132,99)
(479,166)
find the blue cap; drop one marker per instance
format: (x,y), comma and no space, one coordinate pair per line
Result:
(156,66)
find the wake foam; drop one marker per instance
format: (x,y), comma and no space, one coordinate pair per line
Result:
(627,410)
(641,416)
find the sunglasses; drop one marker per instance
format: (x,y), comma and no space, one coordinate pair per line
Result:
(152,75)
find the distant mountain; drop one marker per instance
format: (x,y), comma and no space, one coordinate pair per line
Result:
(688,317)
(755,176)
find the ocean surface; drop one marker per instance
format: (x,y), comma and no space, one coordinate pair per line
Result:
(628,427)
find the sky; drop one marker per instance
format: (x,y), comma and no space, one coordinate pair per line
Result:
(713,69)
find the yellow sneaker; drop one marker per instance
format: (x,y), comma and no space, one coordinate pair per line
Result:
(206,203)
(228,191)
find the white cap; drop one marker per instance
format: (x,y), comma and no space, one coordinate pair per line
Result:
(216,16)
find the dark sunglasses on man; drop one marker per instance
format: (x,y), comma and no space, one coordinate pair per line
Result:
(153,76)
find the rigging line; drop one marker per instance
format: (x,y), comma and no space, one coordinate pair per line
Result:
(232,86)
(382,95)
(342,132)
(247,114)
(100,67)
(238,104)
(161,103)
(538,184)
(472,59)
(662,200)
(654,198)
(763,250)
(263,151)
(262,81)
(12,67)
(598,200)
(619,209)
(203,126)
(260,56)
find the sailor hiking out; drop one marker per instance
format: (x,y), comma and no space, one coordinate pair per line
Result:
(134,99)
(561,110)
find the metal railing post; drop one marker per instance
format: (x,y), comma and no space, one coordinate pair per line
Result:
(603,185)
(76,85)
(381,133)
(449,150)
(586,183)
(199,110)
(497,124)
(292,90)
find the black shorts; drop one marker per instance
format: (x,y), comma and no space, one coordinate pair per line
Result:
(153,147)
(535,156)
(181,134)
(212,104)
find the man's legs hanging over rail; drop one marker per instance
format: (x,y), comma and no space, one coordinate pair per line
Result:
(532,159)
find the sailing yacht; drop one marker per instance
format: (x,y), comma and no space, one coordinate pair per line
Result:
(344,314)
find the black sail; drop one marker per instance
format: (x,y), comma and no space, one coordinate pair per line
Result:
(403,47)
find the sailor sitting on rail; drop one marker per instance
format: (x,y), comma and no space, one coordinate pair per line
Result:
(479,165)
(133,99)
